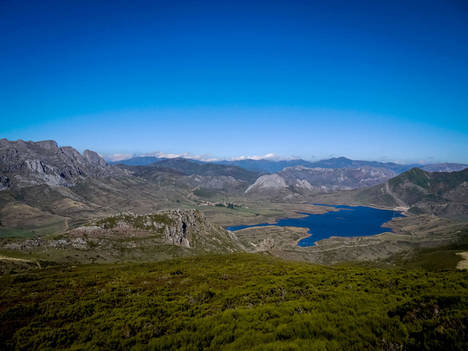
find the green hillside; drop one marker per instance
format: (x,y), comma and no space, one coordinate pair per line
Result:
(234,302)
(440,193)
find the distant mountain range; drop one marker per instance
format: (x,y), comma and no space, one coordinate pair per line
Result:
(271,166)
(137,161)
(191,174)
(52,188)
(302,179)
(190,167)
(26,163)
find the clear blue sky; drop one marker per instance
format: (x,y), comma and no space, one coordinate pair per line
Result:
(363,79)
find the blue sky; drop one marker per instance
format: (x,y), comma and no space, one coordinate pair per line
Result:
(385,80)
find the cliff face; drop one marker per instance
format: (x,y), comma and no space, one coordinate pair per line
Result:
(27,163)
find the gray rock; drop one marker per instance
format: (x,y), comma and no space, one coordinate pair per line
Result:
(94,158)
(269,181)
(4,182)
(49,145)
(27,163)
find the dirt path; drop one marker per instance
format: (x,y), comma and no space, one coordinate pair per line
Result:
(390,192)
(15,259)
(463,264)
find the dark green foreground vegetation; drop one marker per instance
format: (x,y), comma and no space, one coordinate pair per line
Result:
(235,302)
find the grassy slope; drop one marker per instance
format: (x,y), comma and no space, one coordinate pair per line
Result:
(433,259)
(234,302)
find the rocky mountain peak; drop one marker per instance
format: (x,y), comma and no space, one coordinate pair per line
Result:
(94,158)
(26,163)
(49,145)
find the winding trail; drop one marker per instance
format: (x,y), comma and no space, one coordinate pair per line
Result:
(15,259)
(398,200)
(463,264)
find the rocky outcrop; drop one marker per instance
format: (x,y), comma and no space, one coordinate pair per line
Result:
(186,228)
(26,163)
(4,183)
(269,181)
(94,159)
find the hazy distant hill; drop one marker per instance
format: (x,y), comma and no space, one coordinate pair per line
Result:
(265,166)
(137,161)
(191,167)
(184,167)
(273,166)
(269,166)
(444,167)
(343,162)
(190,174)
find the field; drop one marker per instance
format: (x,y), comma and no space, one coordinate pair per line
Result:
(235,302)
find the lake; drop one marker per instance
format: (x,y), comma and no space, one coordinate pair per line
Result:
(348,221)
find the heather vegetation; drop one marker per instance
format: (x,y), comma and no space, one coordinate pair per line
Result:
(234,302)
(145,222)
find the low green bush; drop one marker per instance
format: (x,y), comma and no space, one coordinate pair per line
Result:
(234,302)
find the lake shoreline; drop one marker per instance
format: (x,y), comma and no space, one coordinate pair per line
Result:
(343,221)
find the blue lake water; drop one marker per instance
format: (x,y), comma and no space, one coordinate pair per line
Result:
(348,221)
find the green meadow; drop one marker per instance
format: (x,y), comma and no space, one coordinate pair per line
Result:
(234,302)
